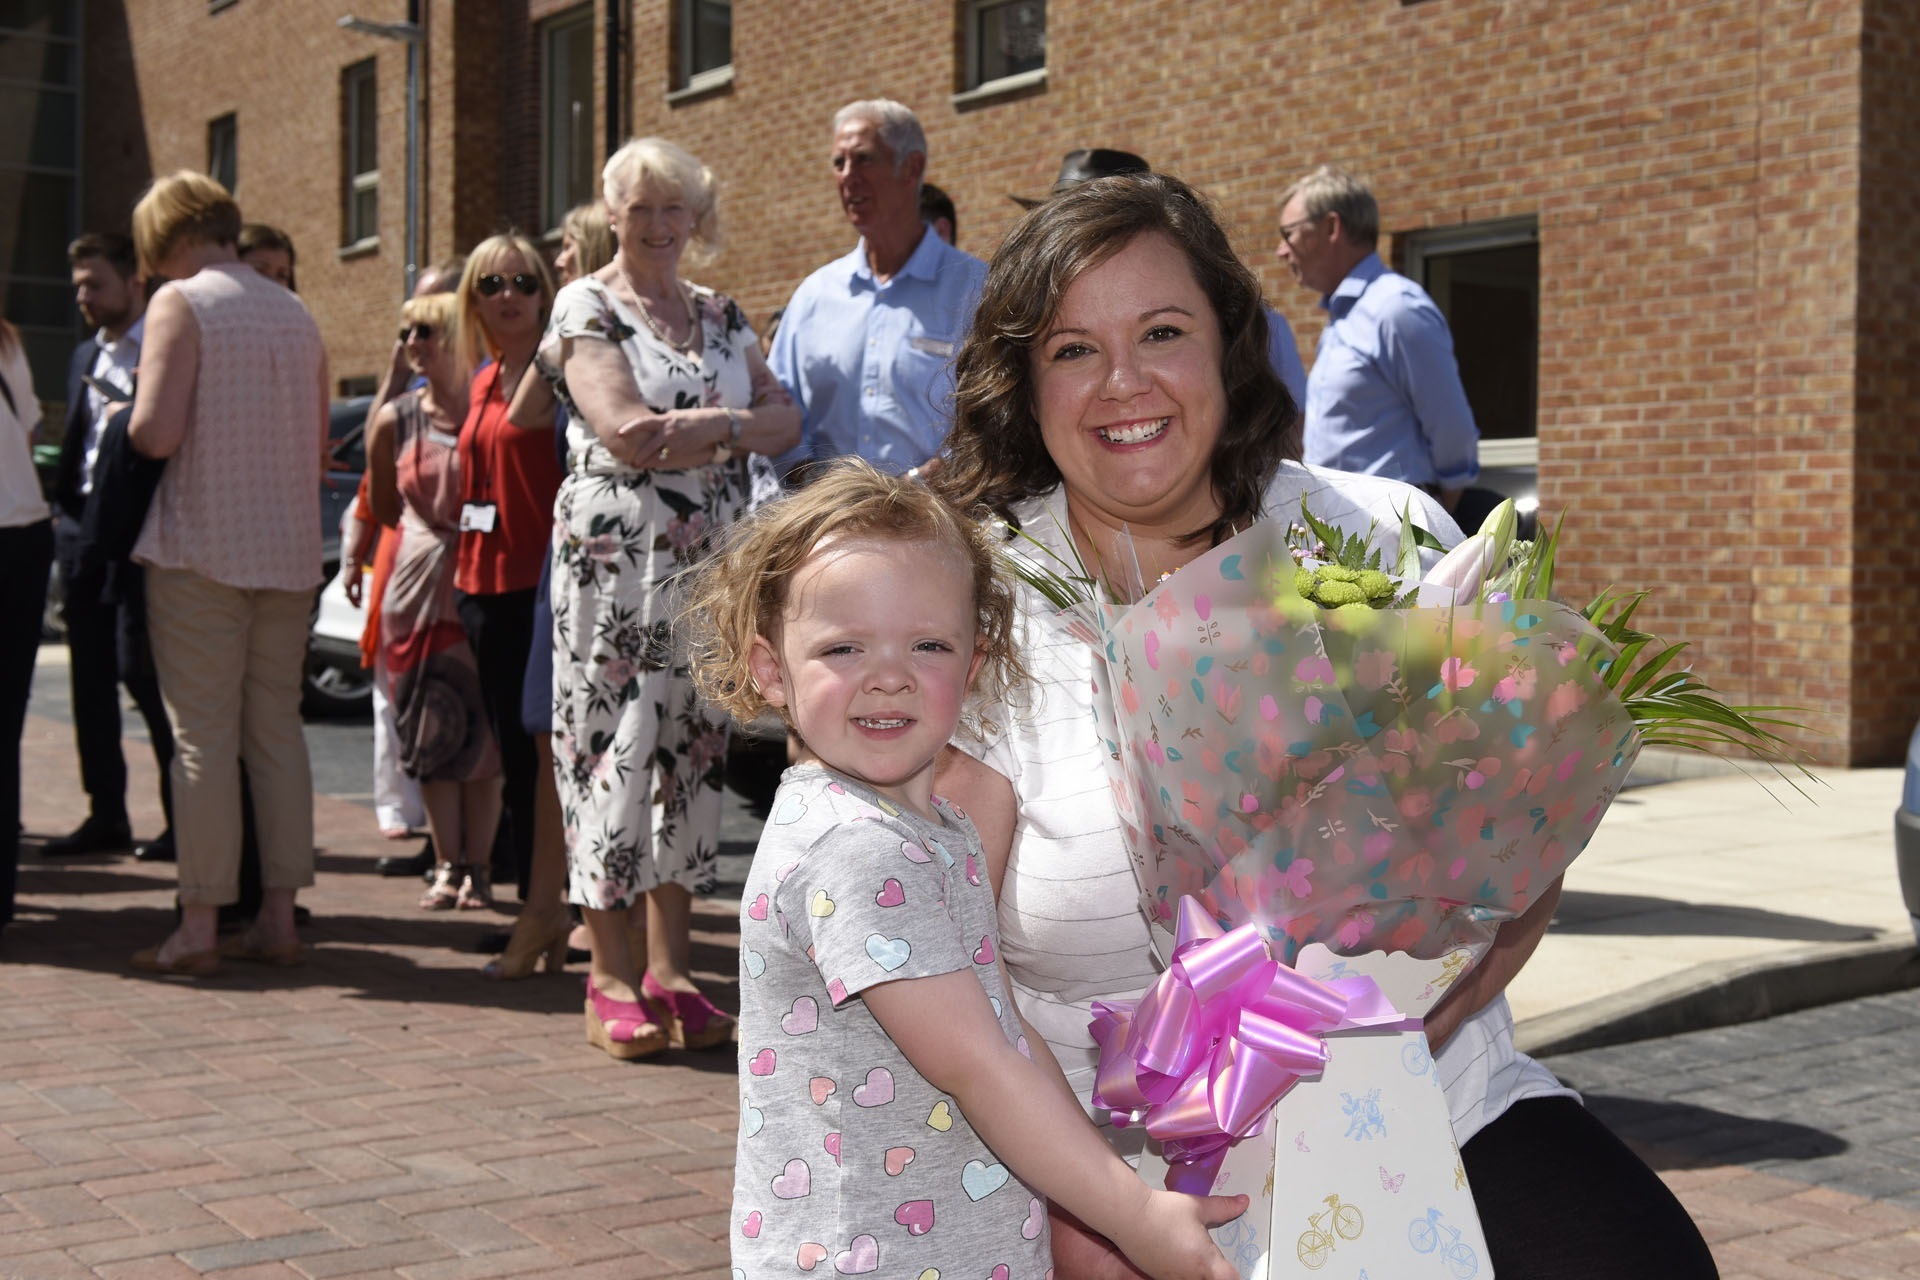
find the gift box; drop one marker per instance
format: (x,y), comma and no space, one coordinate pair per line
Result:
(1355,1172)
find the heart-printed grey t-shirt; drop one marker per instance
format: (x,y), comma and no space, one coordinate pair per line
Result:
(849,1162)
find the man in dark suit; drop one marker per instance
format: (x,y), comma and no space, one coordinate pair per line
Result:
(105,641)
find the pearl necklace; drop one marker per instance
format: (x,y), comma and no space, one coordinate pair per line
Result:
(654,327)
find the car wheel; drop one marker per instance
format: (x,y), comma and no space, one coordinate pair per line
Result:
(327,690)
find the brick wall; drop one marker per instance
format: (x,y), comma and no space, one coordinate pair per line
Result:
(1723,355)
(1885,657)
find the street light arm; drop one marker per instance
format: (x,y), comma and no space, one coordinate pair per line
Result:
(407,31)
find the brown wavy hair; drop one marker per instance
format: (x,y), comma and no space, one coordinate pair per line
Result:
(741,590)
(996,455)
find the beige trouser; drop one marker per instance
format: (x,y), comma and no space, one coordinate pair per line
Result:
(230,662)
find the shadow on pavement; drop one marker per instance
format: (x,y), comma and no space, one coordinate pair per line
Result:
(1680,1135)
(1640,915)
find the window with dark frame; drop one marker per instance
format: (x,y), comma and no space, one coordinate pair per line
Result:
(1004,39)
(566,128)
(1485,278)
(706,43)
(360,126)
(223,150)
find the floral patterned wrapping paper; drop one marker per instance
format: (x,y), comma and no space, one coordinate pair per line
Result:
(1398,780)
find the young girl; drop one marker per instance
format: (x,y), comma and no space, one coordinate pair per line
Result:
(897,1118)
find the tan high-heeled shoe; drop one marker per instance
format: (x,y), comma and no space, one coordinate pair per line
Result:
(535,936)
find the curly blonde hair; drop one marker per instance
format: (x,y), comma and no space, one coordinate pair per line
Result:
(740,592)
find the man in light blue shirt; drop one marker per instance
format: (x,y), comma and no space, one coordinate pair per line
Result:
(866,345)
(1384,396)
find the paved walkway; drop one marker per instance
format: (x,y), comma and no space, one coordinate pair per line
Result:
(385,1112)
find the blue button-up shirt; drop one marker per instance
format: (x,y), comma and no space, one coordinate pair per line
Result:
(871,364)
(1283,353)
(1384,396)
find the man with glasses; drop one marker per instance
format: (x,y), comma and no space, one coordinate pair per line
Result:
(866,345)
(1384,395)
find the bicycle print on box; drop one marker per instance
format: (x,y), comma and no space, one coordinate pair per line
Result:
(1356,1172)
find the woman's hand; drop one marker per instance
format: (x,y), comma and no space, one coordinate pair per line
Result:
(1513,943)
(682,438)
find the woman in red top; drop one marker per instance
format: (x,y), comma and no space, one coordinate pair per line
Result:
(509,478)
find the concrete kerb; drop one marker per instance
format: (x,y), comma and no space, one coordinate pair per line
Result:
(1731,992)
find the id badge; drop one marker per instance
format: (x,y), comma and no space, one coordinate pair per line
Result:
(477,517)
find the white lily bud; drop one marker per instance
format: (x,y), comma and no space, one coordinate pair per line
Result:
(1457,578)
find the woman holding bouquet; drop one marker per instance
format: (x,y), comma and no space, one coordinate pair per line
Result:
(1115,401)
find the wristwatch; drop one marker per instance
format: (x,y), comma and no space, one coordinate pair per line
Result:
(723,452)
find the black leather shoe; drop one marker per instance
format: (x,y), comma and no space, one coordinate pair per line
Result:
(413,864)
(91,836)
(160,850)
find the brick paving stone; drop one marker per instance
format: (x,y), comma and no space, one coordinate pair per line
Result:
(49,1265)
(150,1244)
(262,1216)
(483,1266)
(146,1269)
(680,1244)
(239,1253)
(384,1259)
(53,1206)
(1819,1179)
(157,1210)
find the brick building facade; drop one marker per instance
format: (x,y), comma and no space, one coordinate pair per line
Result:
(1721,195)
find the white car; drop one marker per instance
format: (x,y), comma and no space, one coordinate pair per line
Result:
(335,683)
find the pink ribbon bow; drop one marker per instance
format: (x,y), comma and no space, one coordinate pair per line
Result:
(1218,1038)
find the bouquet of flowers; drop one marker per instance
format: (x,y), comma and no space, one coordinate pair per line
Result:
(1346,751)
(1375,768)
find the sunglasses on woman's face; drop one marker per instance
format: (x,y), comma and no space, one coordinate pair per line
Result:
(423,331)
(490,285)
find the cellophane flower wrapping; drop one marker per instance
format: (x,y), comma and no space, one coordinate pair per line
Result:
(1375,780)
(1381,788)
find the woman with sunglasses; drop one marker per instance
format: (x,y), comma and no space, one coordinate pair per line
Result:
(666,393)
(414,486)
(544,931)
(508,479)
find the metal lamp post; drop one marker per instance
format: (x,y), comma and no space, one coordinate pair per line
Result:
(410,32)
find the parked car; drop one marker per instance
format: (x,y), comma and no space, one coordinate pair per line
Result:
(335,683)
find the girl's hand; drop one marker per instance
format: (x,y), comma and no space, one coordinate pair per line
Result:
(1168,1238)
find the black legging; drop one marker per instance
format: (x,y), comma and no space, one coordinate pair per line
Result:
(26,554)
(500,628)
(1562,1198)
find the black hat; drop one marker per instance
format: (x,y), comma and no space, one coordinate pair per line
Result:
(1087,164)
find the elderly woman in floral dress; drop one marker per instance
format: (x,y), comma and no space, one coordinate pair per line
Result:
(666,393)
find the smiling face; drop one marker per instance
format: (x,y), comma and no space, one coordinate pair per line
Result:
(872,194)
(1128,392)
(874,658)
(653,224)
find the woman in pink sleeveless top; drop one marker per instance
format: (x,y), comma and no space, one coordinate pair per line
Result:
(233,393)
